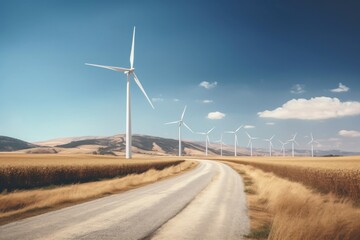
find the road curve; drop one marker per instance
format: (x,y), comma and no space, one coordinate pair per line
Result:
(207,202)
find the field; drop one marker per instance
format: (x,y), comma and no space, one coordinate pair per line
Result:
(338,175)
(133,173)
(280,209)
(24,171)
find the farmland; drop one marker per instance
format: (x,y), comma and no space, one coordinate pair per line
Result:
(340,175)
(281,209)
(24,171)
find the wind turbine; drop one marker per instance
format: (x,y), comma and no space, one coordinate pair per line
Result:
(283,147)
(292,141)
(221,144)
(180,123)
(235,138)
(128,71)
(270,143)
(312,141)
(250,142)
(207,140)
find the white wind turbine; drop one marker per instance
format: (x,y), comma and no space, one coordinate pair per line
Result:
(235,138)
(292,141)
(250,143)
(283,147)
(312,141)
(270,143)
(180,123)
(207,140)
(221,144)
(128,72)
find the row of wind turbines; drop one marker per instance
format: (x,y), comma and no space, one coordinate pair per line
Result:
(293,141)
(130,72)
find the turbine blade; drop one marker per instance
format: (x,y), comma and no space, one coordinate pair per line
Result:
(248,135)
(249,143)
(172,122)
(239,128)
(182,115)
(142,89)
(132,50)
(188,127)
(272,137)
(296,142)
(210,130)
(117,69)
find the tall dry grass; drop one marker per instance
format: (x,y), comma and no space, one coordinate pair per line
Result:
(344,182)
(300,214)
(18,205)
(28,171)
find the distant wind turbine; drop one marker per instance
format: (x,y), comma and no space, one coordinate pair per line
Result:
(270,143)
(235,138)
(312,141)
(283,147)
(221,144)
(207,140)
(292,141)
(128,72)
(250,143)
(180,123)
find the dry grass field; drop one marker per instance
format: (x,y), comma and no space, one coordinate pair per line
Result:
(20,204)
(280,209)
(338,175)
(26,171)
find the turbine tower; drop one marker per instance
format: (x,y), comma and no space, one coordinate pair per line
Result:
(270,143)
(283,147)
(235,138)
(250,143)
(292,141)
(221,144)
(312,141)
(180,123)
(129,72)
(207,140)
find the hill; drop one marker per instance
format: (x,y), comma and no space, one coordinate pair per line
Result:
(8,144)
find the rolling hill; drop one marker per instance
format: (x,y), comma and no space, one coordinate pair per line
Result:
(8,144)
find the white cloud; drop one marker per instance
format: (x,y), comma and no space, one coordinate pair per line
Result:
(157,99)
(215,115)
(270,123)
(317,108)
(340,89)
(207,101)
(208,85)
(249,126)
(176,100)
(298,89)
(349,133)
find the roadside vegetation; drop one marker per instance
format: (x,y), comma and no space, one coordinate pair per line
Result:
(20,204)
(280,209)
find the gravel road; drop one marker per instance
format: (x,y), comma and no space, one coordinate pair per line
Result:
(207,202)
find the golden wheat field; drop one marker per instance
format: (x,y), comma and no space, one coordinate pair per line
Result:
(25,171)
(338,175)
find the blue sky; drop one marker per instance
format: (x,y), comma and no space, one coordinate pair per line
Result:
(261,54)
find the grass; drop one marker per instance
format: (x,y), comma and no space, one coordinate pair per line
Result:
(22,171)
(21,204)
(340,175)
(297,212)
